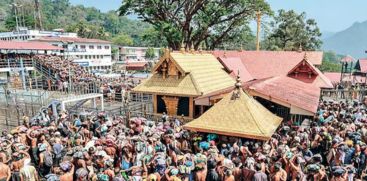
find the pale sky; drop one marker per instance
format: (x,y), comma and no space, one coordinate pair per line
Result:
(331,15)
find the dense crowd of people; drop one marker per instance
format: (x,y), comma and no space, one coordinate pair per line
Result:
(81,79)
(105,148)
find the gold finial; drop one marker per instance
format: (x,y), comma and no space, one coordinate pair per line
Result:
(182,49)
(192,49)
(238,85)
(225,52)
(305,56)
(166,50)
(201,48)
(204,46)
(300,48)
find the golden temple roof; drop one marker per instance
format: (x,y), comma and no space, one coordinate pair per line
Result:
(201,74)
(237,114)
(168,86)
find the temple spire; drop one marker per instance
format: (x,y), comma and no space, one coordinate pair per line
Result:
(238,85)
(201,48)
(182,48)
(305,57)
(192,49)
(300,49)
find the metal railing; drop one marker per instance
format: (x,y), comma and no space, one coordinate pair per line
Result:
(344,94)
(15,63)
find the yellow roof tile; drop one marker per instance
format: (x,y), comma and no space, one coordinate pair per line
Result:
(241,117)
(203,74)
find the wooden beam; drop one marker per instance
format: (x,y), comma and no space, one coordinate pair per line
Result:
(155,103)
(191,107)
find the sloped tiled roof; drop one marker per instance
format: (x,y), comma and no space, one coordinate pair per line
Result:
(14,45)
(334,77)
(361,65)
(234,64)
(289,90)
(168,86)
(202,73)
(71,39)
(263,64)
(240,117)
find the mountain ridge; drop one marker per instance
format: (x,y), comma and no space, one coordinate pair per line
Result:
(351,41)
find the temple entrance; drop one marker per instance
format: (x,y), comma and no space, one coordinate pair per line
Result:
(161,106)
(183,106)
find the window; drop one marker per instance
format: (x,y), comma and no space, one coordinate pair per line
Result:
(82,46)
(94,57)
(99,47)
(86,56)
(90,56)
(76,46)
(91,47)
(106,47)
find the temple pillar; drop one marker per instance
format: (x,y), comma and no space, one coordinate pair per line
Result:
(191,107)
(171,105)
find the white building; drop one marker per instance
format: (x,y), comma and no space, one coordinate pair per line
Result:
(24,34)
(93,54)
(136,54)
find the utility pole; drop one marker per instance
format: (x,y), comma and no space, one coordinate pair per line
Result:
(38,20)
(258,21)
(15,6)
(23,14)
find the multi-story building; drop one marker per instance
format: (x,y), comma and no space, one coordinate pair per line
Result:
(133,54)
(24,34)
(93,54)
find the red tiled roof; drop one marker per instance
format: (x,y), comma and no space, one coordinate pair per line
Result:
(363,64)
(71,39)
(136,64)
(15,45)
(265,64)
(234,64)
(334,77)
(293,57)
(289,90)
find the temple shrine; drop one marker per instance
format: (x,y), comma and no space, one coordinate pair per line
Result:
(180,78)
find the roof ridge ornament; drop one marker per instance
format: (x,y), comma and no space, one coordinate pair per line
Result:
(192,49)
(182,48)
(201,48)
(300,49)
(238,85)
(305,57)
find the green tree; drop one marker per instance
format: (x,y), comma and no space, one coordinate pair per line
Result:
(151,37)
(195,21)
(328,66)
(123,40)
(150,54)
(291,30)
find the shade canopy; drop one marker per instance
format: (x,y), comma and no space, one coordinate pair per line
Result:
(239,115)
